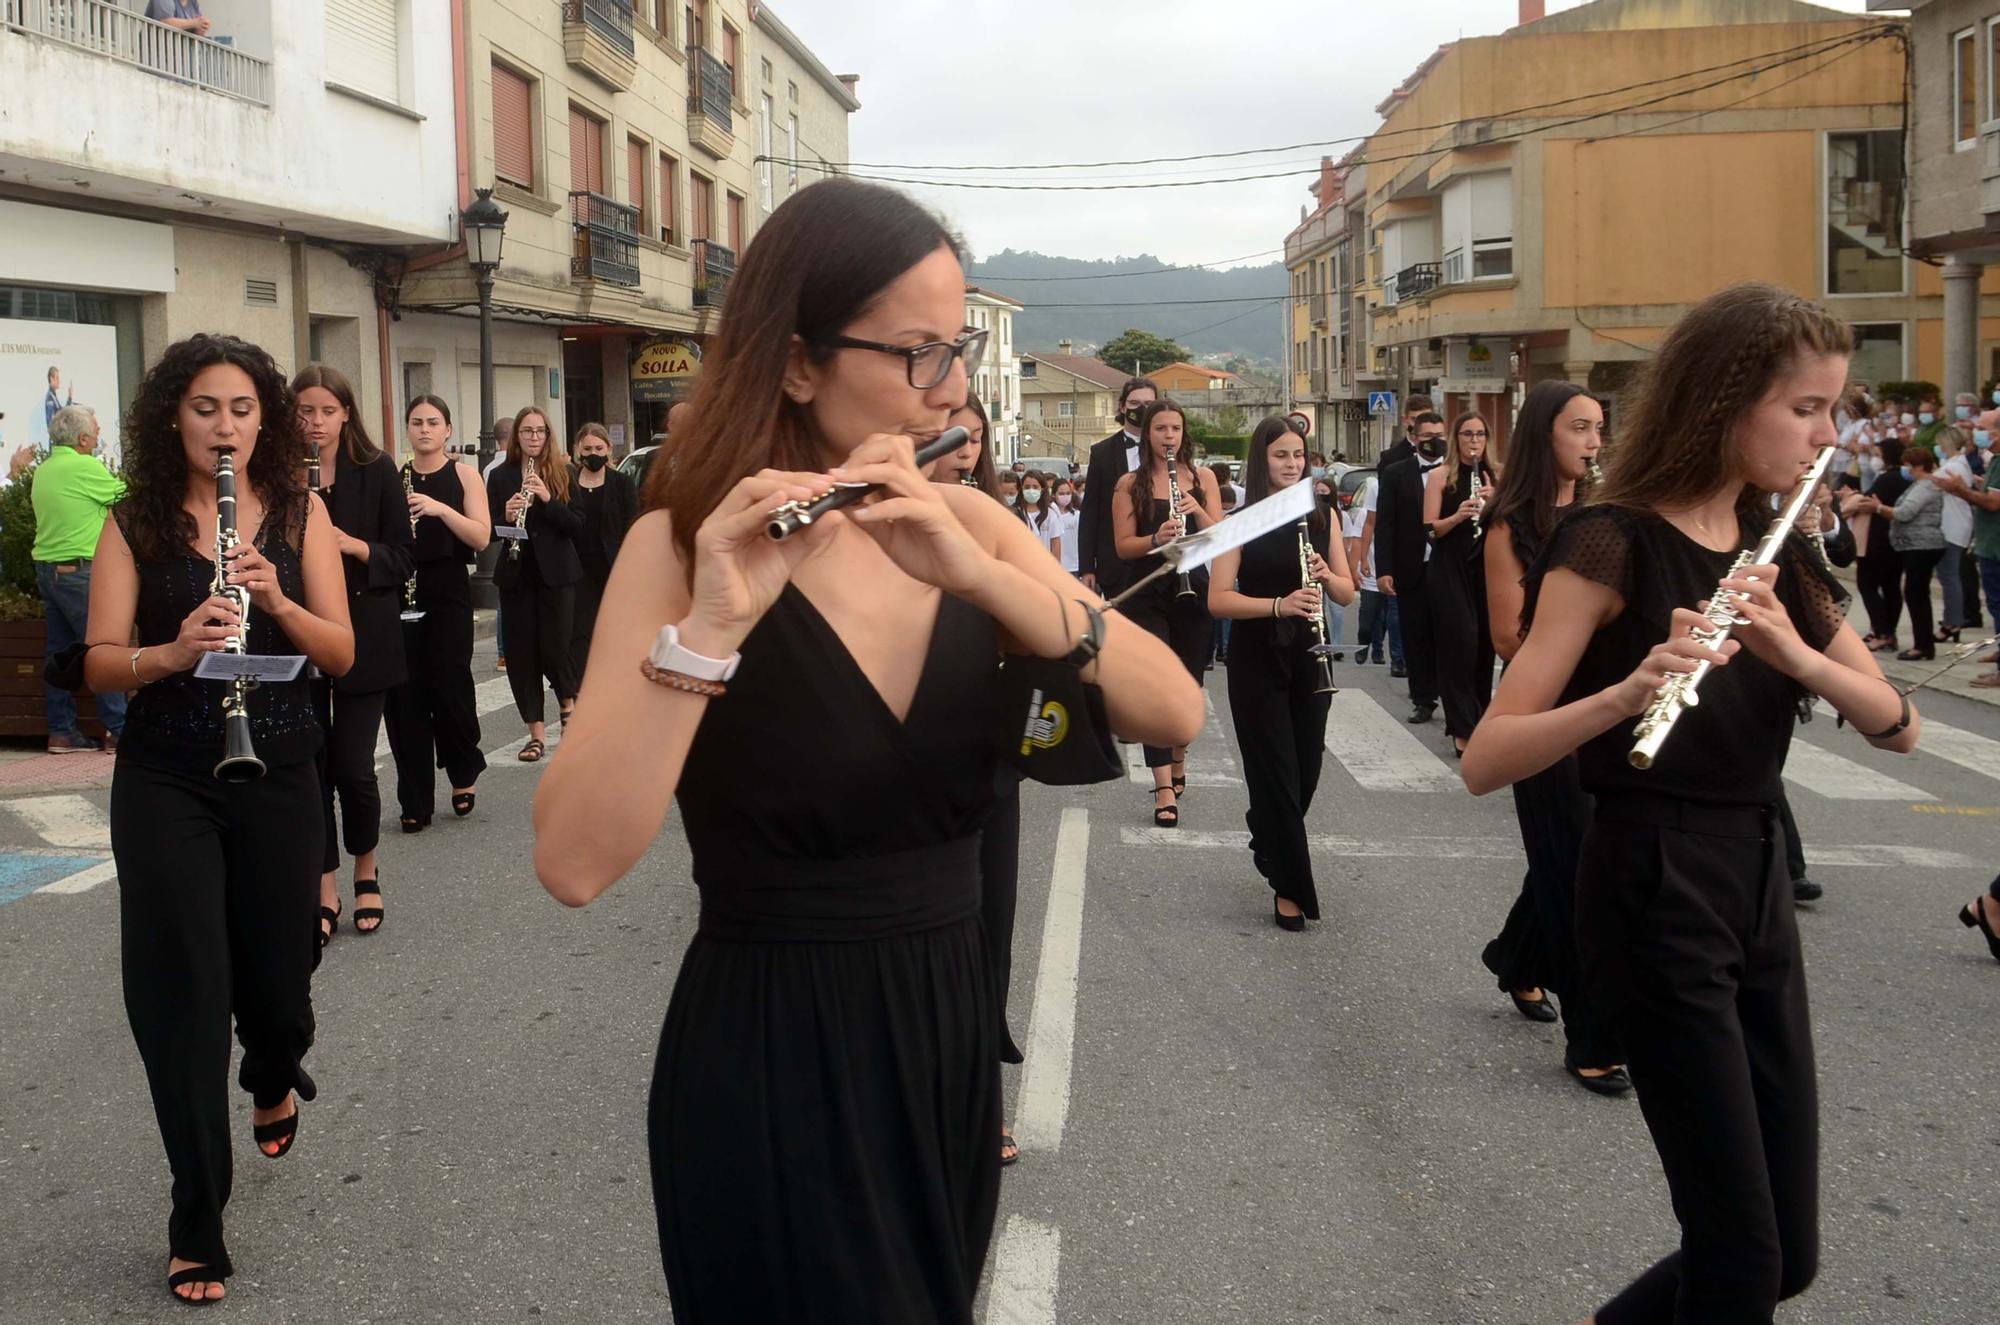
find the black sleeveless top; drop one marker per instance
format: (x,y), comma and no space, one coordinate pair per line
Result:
(1730,748)
(800,786)
(176,721)
(1461,541)
(1147,522)
(435,541)
(1268,567)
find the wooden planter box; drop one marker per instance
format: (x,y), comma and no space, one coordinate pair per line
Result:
(23,699)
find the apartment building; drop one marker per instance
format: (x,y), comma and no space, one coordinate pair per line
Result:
(996,378)
(1329,369)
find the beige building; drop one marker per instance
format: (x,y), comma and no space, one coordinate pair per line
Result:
(996,378)
(622,139)
(1067,402)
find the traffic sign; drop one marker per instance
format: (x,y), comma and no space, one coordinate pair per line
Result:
(1381,402)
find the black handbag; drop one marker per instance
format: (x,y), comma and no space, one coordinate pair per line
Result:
(1055,730)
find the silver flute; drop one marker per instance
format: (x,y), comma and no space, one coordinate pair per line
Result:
(792,516)
(1186,589)
(239,761)
(1678,693)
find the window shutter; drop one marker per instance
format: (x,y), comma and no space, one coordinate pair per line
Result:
(586,152)
(513,128)
(701,202)
(669,204)
(361,47)
(635,183)
(1492,205)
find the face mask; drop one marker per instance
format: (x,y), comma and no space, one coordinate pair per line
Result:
(1905,471)
(1927,418)
(1964,411)
(1010,498)
(1063,500)
(1319,471)
(1032,497)
(1132,415)
(1432,447)
(593,463)
(1907,420)
(1981,438)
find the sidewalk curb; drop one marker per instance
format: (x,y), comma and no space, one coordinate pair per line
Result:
(1957,681)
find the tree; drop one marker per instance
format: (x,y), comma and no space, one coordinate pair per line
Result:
(1142,348)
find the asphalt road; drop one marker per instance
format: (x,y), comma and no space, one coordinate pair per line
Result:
(1222,1122)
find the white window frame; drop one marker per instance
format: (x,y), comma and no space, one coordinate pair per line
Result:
(1967,35)
(1902,369)
(1991,31)
(1825,222)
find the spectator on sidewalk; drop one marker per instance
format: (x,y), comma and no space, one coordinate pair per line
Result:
(73,492)
(1984,498)
(1916,532)
(1956,521)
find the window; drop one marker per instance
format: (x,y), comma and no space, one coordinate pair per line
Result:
(792,92)
(729,43)
(670,173)
(1878,352)
(792,153)
(701,206)
(765,166)
(361,47)
(1992,68)
(1864,207)
(1965,88)
(1478,227)
(586,152)
(695,30)
(1065,409)
(736,222)
(662,13)
(765,69)
(513,127)
(636,191)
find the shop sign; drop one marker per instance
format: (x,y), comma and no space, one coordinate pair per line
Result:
(1476,365)
(664,371)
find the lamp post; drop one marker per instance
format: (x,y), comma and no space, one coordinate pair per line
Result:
(485,228)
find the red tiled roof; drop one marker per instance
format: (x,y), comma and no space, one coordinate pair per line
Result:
(1085,367)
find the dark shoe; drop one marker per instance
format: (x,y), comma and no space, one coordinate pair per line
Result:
(1975,915)
(1340,655)
(501,662)
(1377,660)
(1883,644)
(367,888)
(1534,1009)
(461,803)
(329,916)
(1614,1082)
(1010,1153)
(71,743)
(1396,671)
(111,743)
(412,824)
(1421,713)
(284,1132)
(195,1274)
(1166,816)
(1290,924)
(1805,890)
(1948,634)
(532,752)
(1917,655)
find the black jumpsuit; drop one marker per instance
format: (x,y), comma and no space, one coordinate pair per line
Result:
(1455,584)
(1180,621)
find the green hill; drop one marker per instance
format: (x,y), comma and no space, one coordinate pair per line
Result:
(1116,300)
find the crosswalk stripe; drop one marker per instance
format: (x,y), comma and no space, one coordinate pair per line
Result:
(84,880)
(1954,745)
(1025,1264)
(488,697)
(64,821)
(1203,770)
(1839,778)
(1378,751)
(1860,856)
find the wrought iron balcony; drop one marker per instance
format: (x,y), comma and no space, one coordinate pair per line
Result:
(597,38)
(713,266)
(609,19)
(115,32)
(1419,278)
(605,240)
(710,126)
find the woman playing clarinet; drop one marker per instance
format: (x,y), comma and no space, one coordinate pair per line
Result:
(1684,912)
(1455,495)
(536,575)
(217,881)
(825,1105)
(1279,688)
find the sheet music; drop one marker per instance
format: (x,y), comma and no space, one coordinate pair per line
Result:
(256,666)
(1288,506)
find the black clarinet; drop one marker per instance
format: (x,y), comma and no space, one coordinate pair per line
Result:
(239,761)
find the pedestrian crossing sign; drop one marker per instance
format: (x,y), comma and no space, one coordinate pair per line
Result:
(1381,402)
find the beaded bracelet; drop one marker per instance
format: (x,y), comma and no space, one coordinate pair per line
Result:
(693,685)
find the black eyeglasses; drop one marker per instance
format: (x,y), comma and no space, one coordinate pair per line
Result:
(927,364)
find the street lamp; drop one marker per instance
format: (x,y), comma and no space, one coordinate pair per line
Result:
(485,228)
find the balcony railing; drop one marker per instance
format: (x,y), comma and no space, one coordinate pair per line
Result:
(609,19)
(605,240)
(713,266)
(1316,307)
(106,28)
(708,87)
(1418,278)
(1319,383)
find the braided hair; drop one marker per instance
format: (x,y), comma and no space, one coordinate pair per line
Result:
(1678,441)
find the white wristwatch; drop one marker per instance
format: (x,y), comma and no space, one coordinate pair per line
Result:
(669,656)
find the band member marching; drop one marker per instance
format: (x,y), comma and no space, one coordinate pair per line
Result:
(1163,499)
(1454,499)
(1280,677)
(218,856)
(537,575)
(1684,914)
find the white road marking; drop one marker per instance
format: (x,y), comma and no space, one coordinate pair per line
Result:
(488,698)
(64,821)
(1954,745)
(1379,751)
(83,880)
(1023,1290)
(1839,778)
(1862,856)
(1043,1106)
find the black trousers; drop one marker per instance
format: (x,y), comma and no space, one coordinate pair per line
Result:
(538,622)
(1537,949)
(1000,885)
(1281,732)
(1919,564)
(1877,576)
(1795,851)
(589,595)
(1461,646)
(433,717)
(1184,625)
(1419,640)
(1968,579)
(218,898)
(1690,943)
(347,766)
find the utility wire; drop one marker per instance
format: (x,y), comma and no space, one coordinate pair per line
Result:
(1807,48)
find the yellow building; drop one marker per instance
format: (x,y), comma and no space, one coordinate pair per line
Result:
(1546,202)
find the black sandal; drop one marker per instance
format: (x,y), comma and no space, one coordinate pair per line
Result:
(1179,785)
(195,1274)
(532,752)
(412,824)
(284,1132)
(1010,1150)
(1166,816)
(367,888)
(330,917)
(461,803)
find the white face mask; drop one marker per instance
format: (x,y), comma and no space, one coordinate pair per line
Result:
(1031,496)
(1063,499)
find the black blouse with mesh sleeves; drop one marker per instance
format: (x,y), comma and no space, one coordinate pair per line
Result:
(1730,748)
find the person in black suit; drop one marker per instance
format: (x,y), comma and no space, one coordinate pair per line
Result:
(1098,564)
(1400,545)
(536,575)
(606,503)
(364,497)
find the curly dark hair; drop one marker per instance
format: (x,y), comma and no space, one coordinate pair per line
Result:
(156,470)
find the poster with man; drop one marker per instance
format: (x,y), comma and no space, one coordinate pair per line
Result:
(45,366)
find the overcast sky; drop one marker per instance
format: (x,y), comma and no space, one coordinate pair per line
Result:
(1028,82)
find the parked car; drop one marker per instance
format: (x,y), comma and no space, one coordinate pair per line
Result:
(635,465)
(1349,485)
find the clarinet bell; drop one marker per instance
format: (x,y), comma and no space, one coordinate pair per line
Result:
(239,762)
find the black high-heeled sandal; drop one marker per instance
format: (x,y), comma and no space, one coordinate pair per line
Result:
(195,1274)
(412,824)
(1948,634)
(1974,917)
(1166,816)
(1179,785)
(284,1132)
(461,803)
(367,888)
(330,917)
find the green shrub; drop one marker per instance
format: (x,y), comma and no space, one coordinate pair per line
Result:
(1911,391)
(17,538)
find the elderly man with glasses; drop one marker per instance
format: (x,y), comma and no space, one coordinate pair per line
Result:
(73,493)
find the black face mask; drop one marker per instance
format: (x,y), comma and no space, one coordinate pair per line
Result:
(593,463)
(1132,415)
(1432,447)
